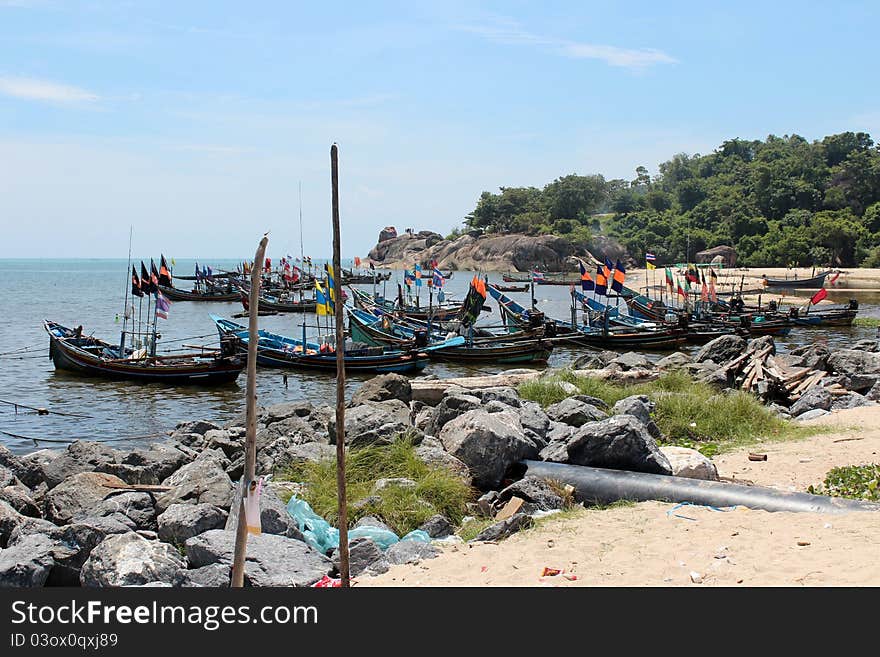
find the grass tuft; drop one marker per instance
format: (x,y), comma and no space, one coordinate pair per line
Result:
(857,482)
(437,490)
(867,322)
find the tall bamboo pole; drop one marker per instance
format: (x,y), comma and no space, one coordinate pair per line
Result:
(250,445)
(340,381)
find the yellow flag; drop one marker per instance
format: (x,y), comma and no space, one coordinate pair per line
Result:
(651,265)
(321,300)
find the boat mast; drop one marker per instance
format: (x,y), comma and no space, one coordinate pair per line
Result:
(127,286)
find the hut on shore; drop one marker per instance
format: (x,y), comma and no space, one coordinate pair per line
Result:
(719,255)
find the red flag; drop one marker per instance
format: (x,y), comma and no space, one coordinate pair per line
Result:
(821,294)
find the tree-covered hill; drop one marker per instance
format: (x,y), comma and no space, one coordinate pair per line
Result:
(780,201)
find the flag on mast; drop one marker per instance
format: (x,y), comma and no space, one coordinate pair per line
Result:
(163,305)
(164,274)
(587,283)
(136,283)
(601,285)
(619,277)
(816,298)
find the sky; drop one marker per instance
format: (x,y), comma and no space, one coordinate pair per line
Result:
(196,122)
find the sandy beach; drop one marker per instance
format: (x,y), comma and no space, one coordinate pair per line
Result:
(657,544)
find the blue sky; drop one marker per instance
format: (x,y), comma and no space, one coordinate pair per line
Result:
(195,121)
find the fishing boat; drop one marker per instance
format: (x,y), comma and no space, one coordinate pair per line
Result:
(512,288)
(72,351)
(279,304)
(210,293)
(275,350)
(438,312)
(368,328)
(350,277)
(812,283)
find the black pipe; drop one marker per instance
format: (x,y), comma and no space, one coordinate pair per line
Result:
(603,486)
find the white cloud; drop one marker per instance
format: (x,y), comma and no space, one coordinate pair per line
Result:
(511,33)
(44,90)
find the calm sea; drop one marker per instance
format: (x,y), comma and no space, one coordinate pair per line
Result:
(91,293)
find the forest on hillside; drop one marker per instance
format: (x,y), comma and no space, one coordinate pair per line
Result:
(780,201)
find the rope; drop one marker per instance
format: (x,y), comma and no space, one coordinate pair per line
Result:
(41,411)
(20,349)
(67,442)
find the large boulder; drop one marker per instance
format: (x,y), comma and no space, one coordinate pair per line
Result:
(204,481)
(77,494)
(137,507)
(152,465)
(506,395)
(853,361)
(196,426)
(814,355)
(505,528)
(299,408)
(182,521)
(130,560)
(410,552)
(850,400)
(271,560)
(451,406)
(80,456)
(20,497)
(689,463)
(621,442)
(632,360)
(574,412)
(373,423)
(534,420)
(294,429)
(10,519)
(364,555)
(488,444)
(641,407)
(27,470)
(721,349)
(27,564)
(439,458)
(281,455)
(814,397)
(216,575)
(437,526)
(382,388)
(674,361)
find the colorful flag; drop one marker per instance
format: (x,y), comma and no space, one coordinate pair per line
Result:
(601,285)
(669,283)
(357,261)
(691,276)
(154,277)
(537,275)
(704,290)
(331,285)
(650,257)
(650,266)
(586,282)
(418,275)
(619,277)
(438,277)
(408,278)
(162,306)
(146,288)
(268,265)
(606,269)
(681,291)
(164,274)
(136,283)
(712,280)
(821,294)
(321,300)
(834,278)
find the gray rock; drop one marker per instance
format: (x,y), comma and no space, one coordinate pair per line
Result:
(440,458)
(486,503)
(362,553)
(689,463)
(574,412)
(422,419)
(225,440)
(137,507)
(200,427)
(372,521)
(437,526)
(282,455)
(811,415)
(535,491)
(373,423)
(814,397)
(641,407)
(674,361)
(568,388)
(450,407)
(271,560)
(300,408)
(488,444)
(758,344)
(410,552)
(505,528)
(504,394)
(130,560)
(632,360)
(495,407)
(19,497)
(27,564)
(215,575)
(721,349)
(27,469)
(850,400)
(814,356)
(860,382)
(10,519)
(556,451)
(394,482)
(80,456)
(867,345)
(382,388)
(853,362)
(151,465)
(621,442)
(874,393)
(592,401)
(182,521)
(77,494)
(274,518)
(294,429)
(534,420)
(204,481)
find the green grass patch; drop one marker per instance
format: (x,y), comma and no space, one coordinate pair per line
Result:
(857,482)
(689,414)
(473,527)
(403,509)
(866,322)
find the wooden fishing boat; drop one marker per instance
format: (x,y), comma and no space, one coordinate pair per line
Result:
(279,304)
(209,294)
(512,288)
(70,350)
(350,277)
(378,331)
(439,312)
(275,350)
(812,283)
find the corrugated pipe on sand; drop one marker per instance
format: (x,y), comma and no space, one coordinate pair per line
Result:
(603,486)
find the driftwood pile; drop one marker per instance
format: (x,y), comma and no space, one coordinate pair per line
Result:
(761,373)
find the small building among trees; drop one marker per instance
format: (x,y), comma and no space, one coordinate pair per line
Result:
(722,254)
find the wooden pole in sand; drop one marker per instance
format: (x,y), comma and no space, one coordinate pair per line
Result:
(250,445)
(340,381)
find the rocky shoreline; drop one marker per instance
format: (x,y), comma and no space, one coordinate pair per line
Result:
(96,516)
